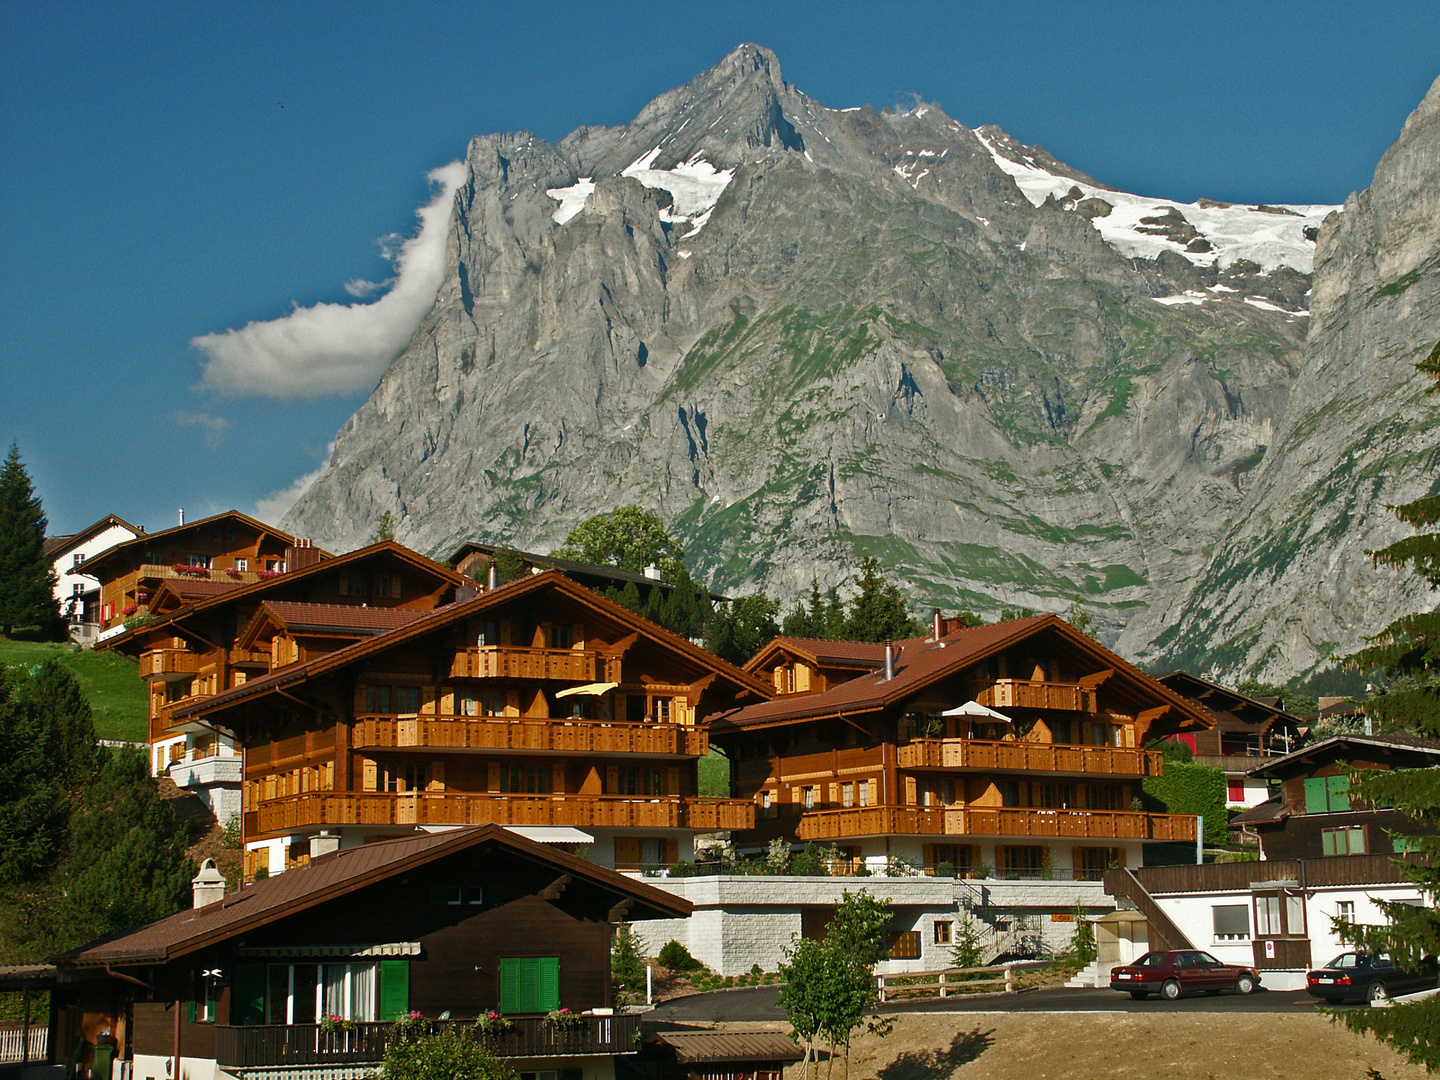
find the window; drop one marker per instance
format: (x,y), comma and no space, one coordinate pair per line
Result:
(558,636)
(1235,791)
(303,993)
(525,779)
(660,709)
(766,807)
(377,699)
(216,532)
(1279,915)
(402,779)
(492,702)
(1327,794)
(1345,909)
(242,564)
(1021,860)
(458,895)
(809,798)
(636,781)
(1092,862)
(202,561)
(1104,797)
(1009,792)
(529,984)
(905,945)
(407,699)
(1231,922)
(77,559)
(864,787)
(1056,796)
(847,794)
(1347,841)
(942,932)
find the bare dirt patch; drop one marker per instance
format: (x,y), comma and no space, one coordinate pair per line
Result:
(1051,1046)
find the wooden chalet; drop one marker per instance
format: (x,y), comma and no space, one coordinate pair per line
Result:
(1247,732)
(537,704)
(199,642)
(1314,815)
(76,590)
(302,975)
(230,548)
(1017,746)
(474,559)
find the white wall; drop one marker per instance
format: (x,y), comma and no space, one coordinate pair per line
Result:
(66,576)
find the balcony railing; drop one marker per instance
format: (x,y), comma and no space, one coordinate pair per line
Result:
(1025,694)
(1005,822)
(293,812)
(994,755)
(530,734)
(157,571)
(162,662)
(513,662)
(276,1045)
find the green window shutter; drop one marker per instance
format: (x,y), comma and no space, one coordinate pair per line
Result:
(549,972)
(247,994)
(1357,841)
(1315,797)
(509,984)
(394,989)
(1327,842)
(1339,790)
(192,1010)
(530,984)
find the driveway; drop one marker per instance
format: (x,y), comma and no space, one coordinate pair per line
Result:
(759,1003)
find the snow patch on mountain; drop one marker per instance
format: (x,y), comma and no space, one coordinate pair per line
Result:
(1271,236)
(695,186)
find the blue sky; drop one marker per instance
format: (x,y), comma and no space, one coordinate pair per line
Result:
(169,171)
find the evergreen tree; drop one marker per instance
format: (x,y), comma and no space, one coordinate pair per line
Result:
(385,530)
(27,580)
(738,628)
(1408,653)
(807,621)
(878,612)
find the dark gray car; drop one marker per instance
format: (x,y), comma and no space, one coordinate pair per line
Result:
(1357,976)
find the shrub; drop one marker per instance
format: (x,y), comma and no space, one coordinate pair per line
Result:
(675,957)
(446,1056)
(684,868)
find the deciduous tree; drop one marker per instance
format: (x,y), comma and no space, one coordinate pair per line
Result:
(627,537)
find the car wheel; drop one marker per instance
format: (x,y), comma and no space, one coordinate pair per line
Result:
(1140,995)
(1377,994)
(1244,985)
(1170,989)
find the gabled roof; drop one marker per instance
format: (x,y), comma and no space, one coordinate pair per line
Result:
(713,1047)
(923,661)
(56,546)
(1234,710)
(188,591)
(1411,750)
(344,872)
(860,655)
(228,515)
(1265,813)
(277,584)
(340,620)
(444,616)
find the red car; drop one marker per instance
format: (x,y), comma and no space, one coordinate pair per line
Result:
(1181,971)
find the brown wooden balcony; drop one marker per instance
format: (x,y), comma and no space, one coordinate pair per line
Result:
(1027,694)
(162,663)
(263,1046)
(997,821)
(513,662)
(530,734)
(163,571)
(996,756)
(448,808)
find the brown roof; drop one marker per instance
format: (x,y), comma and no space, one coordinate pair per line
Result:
(56,545)
(191,589)
(333,876)
(1268,811)
(703,1047)
(444,616)
(53,545)
(27,977)
(922,661)
(859,654)
(145,538)
(1416,750)
(1234,710)
(349,620)
(275,583)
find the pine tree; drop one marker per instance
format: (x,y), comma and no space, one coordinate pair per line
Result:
(878,612)
(27,581)
(1408,653)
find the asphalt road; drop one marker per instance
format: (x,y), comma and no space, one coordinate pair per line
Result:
(759,1003)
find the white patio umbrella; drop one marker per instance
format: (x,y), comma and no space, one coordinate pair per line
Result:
(974,708)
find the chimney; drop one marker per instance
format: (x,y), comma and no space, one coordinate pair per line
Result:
(492,577)
(889,660)
(182,515)
(938,625)
(208,886)
(301,554)
(324,844)
(652,572)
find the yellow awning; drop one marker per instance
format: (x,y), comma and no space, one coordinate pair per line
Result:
(592,689)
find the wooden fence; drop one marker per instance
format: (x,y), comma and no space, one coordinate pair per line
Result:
(12,1043)
(943,983)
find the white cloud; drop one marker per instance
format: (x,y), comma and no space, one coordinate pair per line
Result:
(338,348)
(360,288)
(277,504)
(215,426)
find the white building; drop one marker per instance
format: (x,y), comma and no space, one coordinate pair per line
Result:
(77,592)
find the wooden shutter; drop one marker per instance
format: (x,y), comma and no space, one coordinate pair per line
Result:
(394,586)
(577,635)
(512,702)
(548,969)
(1118,857)
(612,779)
(247,994)
(911,794)
(437,776)
(360,702)
(1316,798)
(834,794)
(874,790)
(627,851)
(927,856)
(394,989)
(368,774)
(670,851)
(510,984)
(1338,789)
(344,589)
(494,779)
(427,700)
(672,781)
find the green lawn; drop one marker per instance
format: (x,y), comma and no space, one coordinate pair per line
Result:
(110,682)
